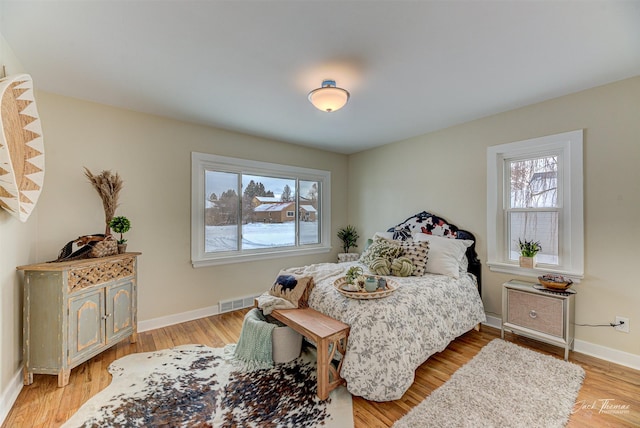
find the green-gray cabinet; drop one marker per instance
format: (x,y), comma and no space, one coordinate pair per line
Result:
(75,310)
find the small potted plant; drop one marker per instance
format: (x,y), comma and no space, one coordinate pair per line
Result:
(348,235)
(528,251)
(353,273)
(120,225)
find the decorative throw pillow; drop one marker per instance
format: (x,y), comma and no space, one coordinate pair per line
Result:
(380,266)
(294,288)
(381,248)
(417,252)
(402,266)
(445,254)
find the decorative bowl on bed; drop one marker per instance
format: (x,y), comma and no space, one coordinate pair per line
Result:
(555,282)
(343,287)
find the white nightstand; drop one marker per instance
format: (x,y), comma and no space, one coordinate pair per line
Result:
(544,315)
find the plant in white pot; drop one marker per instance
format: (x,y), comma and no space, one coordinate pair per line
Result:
(348,235)
(120,225)
(528,251)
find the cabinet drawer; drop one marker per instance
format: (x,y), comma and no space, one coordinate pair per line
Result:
(540,313)
(100,273)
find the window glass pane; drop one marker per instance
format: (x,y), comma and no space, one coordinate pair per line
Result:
(268,212)
(309,212)
(534,182)
(221,211)
(536,226)
(245,210)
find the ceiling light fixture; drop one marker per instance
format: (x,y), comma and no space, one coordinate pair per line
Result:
(329,98)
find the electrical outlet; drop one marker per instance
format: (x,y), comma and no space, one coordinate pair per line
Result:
(624,327)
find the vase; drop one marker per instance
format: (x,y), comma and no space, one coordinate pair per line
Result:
(122,248)
(527,262)
(371,284)
(348,257)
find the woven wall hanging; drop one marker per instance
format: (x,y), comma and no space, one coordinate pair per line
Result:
(21,147)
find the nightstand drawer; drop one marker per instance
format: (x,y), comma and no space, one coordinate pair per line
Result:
(540,313)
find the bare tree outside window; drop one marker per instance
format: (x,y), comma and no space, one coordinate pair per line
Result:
(533,206)
(221,210)
(286,194)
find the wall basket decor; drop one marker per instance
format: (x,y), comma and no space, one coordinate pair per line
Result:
(21,147)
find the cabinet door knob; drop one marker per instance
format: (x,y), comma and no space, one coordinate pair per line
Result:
(533,314)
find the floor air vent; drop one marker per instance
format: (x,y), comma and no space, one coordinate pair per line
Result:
(232,305)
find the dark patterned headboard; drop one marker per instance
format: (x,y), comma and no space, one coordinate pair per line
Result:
(433,225)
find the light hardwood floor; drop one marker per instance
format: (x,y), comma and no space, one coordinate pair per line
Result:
(43,404)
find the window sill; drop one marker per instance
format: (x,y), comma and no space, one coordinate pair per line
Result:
(514,269)
(252,257)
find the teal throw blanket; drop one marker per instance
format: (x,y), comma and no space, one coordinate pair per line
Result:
(255,343)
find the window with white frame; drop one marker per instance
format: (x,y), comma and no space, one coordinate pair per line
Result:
(246,210)
(535,193)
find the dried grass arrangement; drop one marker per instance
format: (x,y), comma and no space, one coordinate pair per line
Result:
(108,186)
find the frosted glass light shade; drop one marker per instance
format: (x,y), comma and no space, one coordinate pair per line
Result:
(329,98)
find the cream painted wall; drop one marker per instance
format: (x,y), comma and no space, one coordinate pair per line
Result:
(17,247)
(153,156)
(445,173)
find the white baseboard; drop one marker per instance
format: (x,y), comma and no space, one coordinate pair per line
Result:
(493,321)
(177,318)
(608,354)
(10,395)
(602,352)
(243,302)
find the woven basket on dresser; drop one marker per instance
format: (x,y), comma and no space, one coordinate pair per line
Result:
(554,285)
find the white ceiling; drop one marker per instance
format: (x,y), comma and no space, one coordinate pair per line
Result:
(411,66)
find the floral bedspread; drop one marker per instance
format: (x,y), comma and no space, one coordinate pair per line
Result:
(390,337)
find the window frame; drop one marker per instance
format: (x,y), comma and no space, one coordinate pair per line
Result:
(568,146)
(201,162)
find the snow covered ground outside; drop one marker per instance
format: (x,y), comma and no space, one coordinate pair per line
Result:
(259,235)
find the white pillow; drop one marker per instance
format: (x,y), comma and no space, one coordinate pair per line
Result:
(464,264)
(445,254)
(385,235)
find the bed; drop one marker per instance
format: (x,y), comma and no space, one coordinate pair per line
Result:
(390,337)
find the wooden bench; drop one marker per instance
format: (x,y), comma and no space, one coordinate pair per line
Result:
(328,334)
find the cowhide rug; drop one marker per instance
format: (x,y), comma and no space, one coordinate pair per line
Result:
(198,386)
